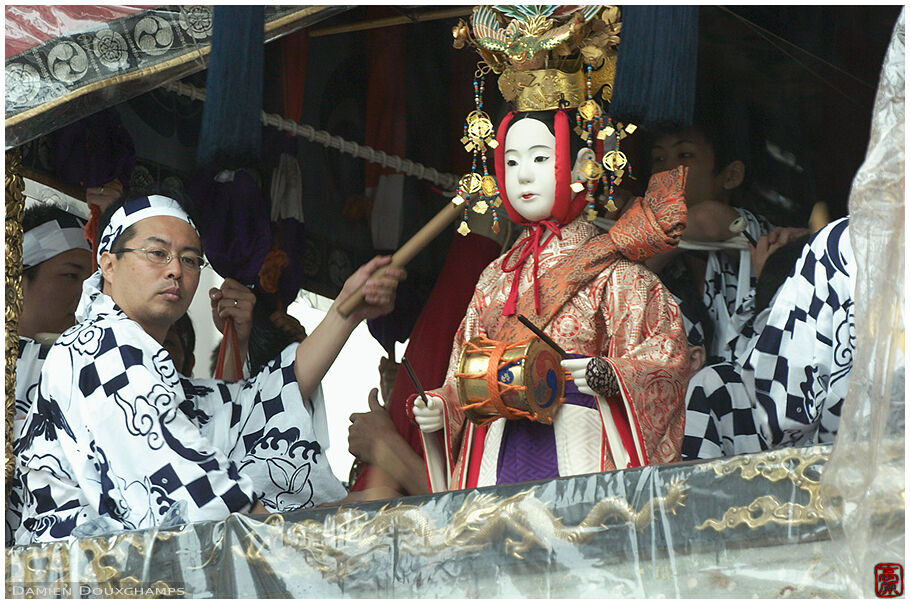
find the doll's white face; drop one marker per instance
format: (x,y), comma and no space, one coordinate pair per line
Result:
(530,157)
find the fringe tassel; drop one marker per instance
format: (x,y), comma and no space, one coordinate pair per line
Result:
(656,66)
(231,135)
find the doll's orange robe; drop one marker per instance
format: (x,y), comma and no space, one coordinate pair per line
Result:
(596,299)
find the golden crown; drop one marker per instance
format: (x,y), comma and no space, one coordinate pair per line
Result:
(542,52)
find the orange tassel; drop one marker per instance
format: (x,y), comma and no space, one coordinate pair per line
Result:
(275,262)
(91,233)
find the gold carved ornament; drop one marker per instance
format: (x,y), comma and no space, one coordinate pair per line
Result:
(52,565)
(341,544)
(767,509)
(15,211)
(541,51)
(553,57)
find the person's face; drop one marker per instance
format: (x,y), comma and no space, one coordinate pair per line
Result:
(530,157)
(689,148)
(49,300)
(154,295)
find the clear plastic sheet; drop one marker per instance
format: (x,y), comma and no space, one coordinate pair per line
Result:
(865,477)
(774,524)
(28,26)
(749,526)
(82,71)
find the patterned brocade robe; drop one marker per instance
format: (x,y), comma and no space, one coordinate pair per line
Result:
(596,300)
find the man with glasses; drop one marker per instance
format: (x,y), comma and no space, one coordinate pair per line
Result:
(118,440)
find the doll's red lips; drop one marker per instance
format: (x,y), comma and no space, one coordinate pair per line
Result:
(528,195)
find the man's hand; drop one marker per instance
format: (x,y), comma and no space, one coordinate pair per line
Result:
(233,300)
(373,438)
(258,509)
(770,243)
(104,195)
(388,372)
(709,221)
(378,291)
(368,431)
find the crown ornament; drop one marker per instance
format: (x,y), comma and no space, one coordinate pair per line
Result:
(542,53)
(552,57)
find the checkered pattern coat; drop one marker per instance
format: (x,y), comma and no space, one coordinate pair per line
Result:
(727,297)
(792,383)
(28,369)
(116,437)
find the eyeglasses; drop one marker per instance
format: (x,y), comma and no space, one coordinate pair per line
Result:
(157,255)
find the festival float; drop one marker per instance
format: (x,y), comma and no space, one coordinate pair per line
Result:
(819,521)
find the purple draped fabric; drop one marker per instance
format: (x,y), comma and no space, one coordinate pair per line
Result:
(527,452)
(95,150)
(233,220)
(528,449)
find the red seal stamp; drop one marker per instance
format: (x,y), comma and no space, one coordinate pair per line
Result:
(889,580)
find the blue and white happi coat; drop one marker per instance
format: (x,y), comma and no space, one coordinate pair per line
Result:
(797,357)
(29,361)
(729,288)
(117,439)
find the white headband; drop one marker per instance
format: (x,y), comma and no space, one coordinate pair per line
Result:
(51,238)
(139,209)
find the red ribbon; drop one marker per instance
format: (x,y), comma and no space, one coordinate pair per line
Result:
(530,245)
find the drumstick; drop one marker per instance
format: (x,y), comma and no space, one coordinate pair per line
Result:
(414,380)
(540,334)
(406,252)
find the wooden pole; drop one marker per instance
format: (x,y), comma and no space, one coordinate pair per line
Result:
(390,21)
(406,252)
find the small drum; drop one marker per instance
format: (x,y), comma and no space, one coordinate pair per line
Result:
(526,378)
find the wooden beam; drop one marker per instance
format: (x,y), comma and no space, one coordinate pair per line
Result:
(459,11)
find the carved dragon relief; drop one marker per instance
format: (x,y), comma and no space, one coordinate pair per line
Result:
(342,543)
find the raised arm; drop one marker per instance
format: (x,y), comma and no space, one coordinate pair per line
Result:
(318,351)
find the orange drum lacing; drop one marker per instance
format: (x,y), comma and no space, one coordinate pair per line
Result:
(495,388)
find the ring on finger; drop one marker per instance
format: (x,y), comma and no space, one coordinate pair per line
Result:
(235,302)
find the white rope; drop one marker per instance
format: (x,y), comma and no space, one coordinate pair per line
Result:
(447,182)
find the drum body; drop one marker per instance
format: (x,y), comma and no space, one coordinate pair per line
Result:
(528,380)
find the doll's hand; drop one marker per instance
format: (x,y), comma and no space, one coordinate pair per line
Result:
(592,375)
(577,367)
(428,415)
